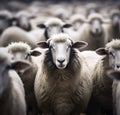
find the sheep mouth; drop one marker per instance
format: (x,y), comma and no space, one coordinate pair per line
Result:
(61,66)
(96,33)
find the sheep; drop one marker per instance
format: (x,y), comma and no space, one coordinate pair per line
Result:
(62,84)
(91,57)
(22,51)
(5,20)
(12,97)
(53,26)
(102,84)
(15,34)
(22,20)
(115,75)
(113,28)
(77,22)
(93,32)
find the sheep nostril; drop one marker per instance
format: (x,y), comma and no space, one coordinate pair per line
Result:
(118,66)
(60,60)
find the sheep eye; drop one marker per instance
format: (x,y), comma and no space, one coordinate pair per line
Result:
(110,53)
(26,56)
(52,47)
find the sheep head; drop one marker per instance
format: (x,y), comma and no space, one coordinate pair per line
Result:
(112,51)
(22,51)
(61,46)
(96,21)
(7,63)
(53,26)
(5,20)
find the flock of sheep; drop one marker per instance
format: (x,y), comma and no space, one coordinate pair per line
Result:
(60,59)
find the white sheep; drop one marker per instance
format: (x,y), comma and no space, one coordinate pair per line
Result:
(62,85)
(102,84)
(12,97)
(53,26)
(14,34)
(22,51)
(77,21)
(93,32)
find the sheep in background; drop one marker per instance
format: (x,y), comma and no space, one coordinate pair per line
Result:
(62,85)
(5,20)
(15,34)
(22,51)
(102,84)
(113,28)
(22,20)
(12,98)
(53,26)
(93,32)
(77,22)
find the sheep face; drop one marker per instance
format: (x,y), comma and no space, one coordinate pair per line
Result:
(19,55)
(96,27)
(60,53)
(23,22)
(116,21)
(113,56)
(22,51)
(53,29)
(77,25)
(6,63)
(61,47)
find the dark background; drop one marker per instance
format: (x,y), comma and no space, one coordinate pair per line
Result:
(28,1)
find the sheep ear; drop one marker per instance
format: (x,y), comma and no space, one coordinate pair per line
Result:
(41,26)
(101,51)
(43,45)
(20,65)
(67,25)
(114,74)
(35,53)
(80,44)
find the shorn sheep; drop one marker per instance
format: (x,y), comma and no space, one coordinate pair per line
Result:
(93,32)
(22,51)
(12,97)
(102,84)
(62,85)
